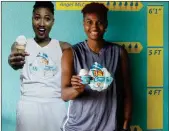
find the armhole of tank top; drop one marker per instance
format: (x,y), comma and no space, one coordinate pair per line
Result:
(73,55)
(59,46)
(120,50)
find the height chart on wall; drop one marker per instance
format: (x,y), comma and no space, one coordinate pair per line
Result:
(148,51)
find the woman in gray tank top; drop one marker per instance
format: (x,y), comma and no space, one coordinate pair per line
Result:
(89,109)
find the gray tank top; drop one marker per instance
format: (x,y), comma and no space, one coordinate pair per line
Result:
(93,110)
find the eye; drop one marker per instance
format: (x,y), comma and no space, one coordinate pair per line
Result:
(36,17)
(100,22)
(48,18)
(89,22)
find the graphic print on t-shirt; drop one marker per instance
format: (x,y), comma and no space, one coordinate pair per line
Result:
(101,77)
(43,66)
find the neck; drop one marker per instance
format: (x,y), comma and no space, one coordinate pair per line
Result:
(94,45)
(42,42)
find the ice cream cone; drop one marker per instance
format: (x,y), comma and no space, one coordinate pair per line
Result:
(20,44)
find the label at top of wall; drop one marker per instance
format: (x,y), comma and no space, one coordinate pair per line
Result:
(112,5)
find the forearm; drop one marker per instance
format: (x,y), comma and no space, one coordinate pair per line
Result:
(69,93)
(127,110)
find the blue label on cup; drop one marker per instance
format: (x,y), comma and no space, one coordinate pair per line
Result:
(85,79)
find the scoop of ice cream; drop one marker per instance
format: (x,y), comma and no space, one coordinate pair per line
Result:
(21,40)
(83,72)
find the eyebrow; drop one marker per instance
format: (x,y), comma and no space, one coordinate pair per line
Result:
(87,18)
(48,15)
(37,14)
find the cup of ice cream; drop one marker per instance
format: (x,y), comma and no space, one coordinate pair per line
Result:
(20,44)
(85,78)
(101,77)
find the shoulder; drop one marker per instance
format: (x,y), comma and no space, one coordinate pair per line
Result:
(113,44)
(120,48)
(78,45)
(67,54)
(123,53)
(64,45)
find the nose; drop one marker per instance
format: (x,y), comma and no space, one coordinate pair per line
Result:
(41,22)
(94,25)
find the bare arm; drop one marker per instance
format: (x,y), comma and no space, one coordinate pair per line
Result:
(127,88)
(71,86)
(64,45)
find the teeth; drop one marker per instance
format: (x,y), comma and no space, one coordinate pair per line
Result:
(94,33)
(42,29)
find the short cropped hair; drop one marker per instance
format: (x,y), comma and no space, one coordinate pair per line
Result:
(45,4)
(98,8)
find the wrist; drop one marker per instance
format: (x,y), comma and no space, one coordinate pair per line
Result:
(125,130)
(126,124)
(78,92)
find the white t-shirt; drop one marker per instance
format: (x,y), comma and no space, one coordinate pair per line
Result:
(41,74)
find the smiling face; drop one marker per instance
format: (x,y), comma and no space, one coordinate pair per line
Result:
(42,22)
(94,26)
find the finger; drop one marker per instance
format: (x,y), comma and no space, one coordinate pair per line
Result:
(76,83)
(77,87)
(16,54)
(75,78)
(12,54)
(20,63)
(18,67)
(26,54)
(19,54)
(17,58)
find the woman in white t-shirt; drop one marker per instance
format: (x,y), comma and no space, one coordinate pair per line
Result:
(40,107)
